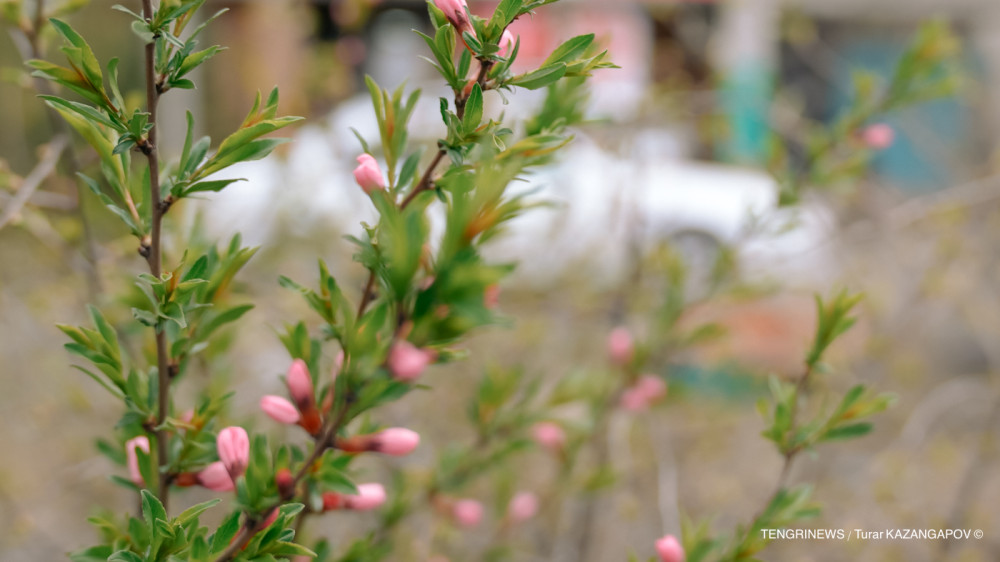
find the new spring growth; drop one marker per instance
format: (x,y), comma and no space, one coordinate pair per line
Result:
(368,175)
(395,441)
(407,362)
(216,477)
(621,347)
(878,136)
(523,506)
(233,446)
(549,435)
(457,13)
(279,409)
(132,457)
(669,549)
(370,496)
(467,513)
(300,387)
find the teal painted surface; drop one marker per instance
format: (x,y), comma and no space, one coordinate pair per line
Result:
(931,150)
(745,99)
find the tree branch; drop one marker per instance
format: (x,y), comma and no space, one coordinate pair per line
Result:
(153,257)
(34,179)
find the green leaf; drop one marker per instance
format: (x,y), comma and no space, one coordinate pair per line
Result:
(213,185)
(540,78)
(125,556)
(848,431)
(473,110)
(570,51)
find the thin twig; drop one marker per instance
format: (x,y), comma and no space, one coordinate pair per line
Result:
(34,179)
(154,258)
(423,185)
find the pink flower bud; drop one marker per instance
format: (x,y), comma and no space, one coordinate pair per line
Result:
(455,11)
(279,409)
(652,387)
(491,296)
(368,175)
(633,400)
(621,348)
(338,365)
(396,441)
(216,477)
(523,506)
(549,435)
(406,361)
(370,496)
(669,549)
(467,513)
(300,385)
(233,446)
(506,44)
(878,136)
(132,458)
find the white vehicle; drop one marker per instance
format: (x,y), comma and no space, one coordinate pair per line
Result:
(603,204)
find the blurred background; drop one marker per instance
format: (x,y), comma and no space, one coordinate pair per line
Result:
(673,155)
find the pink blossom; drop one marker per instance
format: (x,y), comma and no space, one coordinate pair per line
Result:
(233,446)
(396,441)
(467,513)
(216,477)
(407,361)
(621,347)
(132,457)
(456,12)
(633,400)
(652,387)
(370,496)
(646,391)
(300,384)
(368,175)
(279,409)
(523,506)
(549,435)
(506,44)
(669,549)
(878,136)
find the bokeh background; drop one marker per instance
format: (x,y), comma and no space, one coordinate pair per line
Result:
(673,153)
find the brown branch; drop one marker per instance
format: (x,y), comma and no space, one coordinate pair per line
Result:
(154,258)
(323,442)
(34,179)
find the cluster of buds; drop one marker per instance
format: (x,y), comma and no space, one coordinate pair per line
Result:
(233,446)
(458,14)
(646,391)
(302,409)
